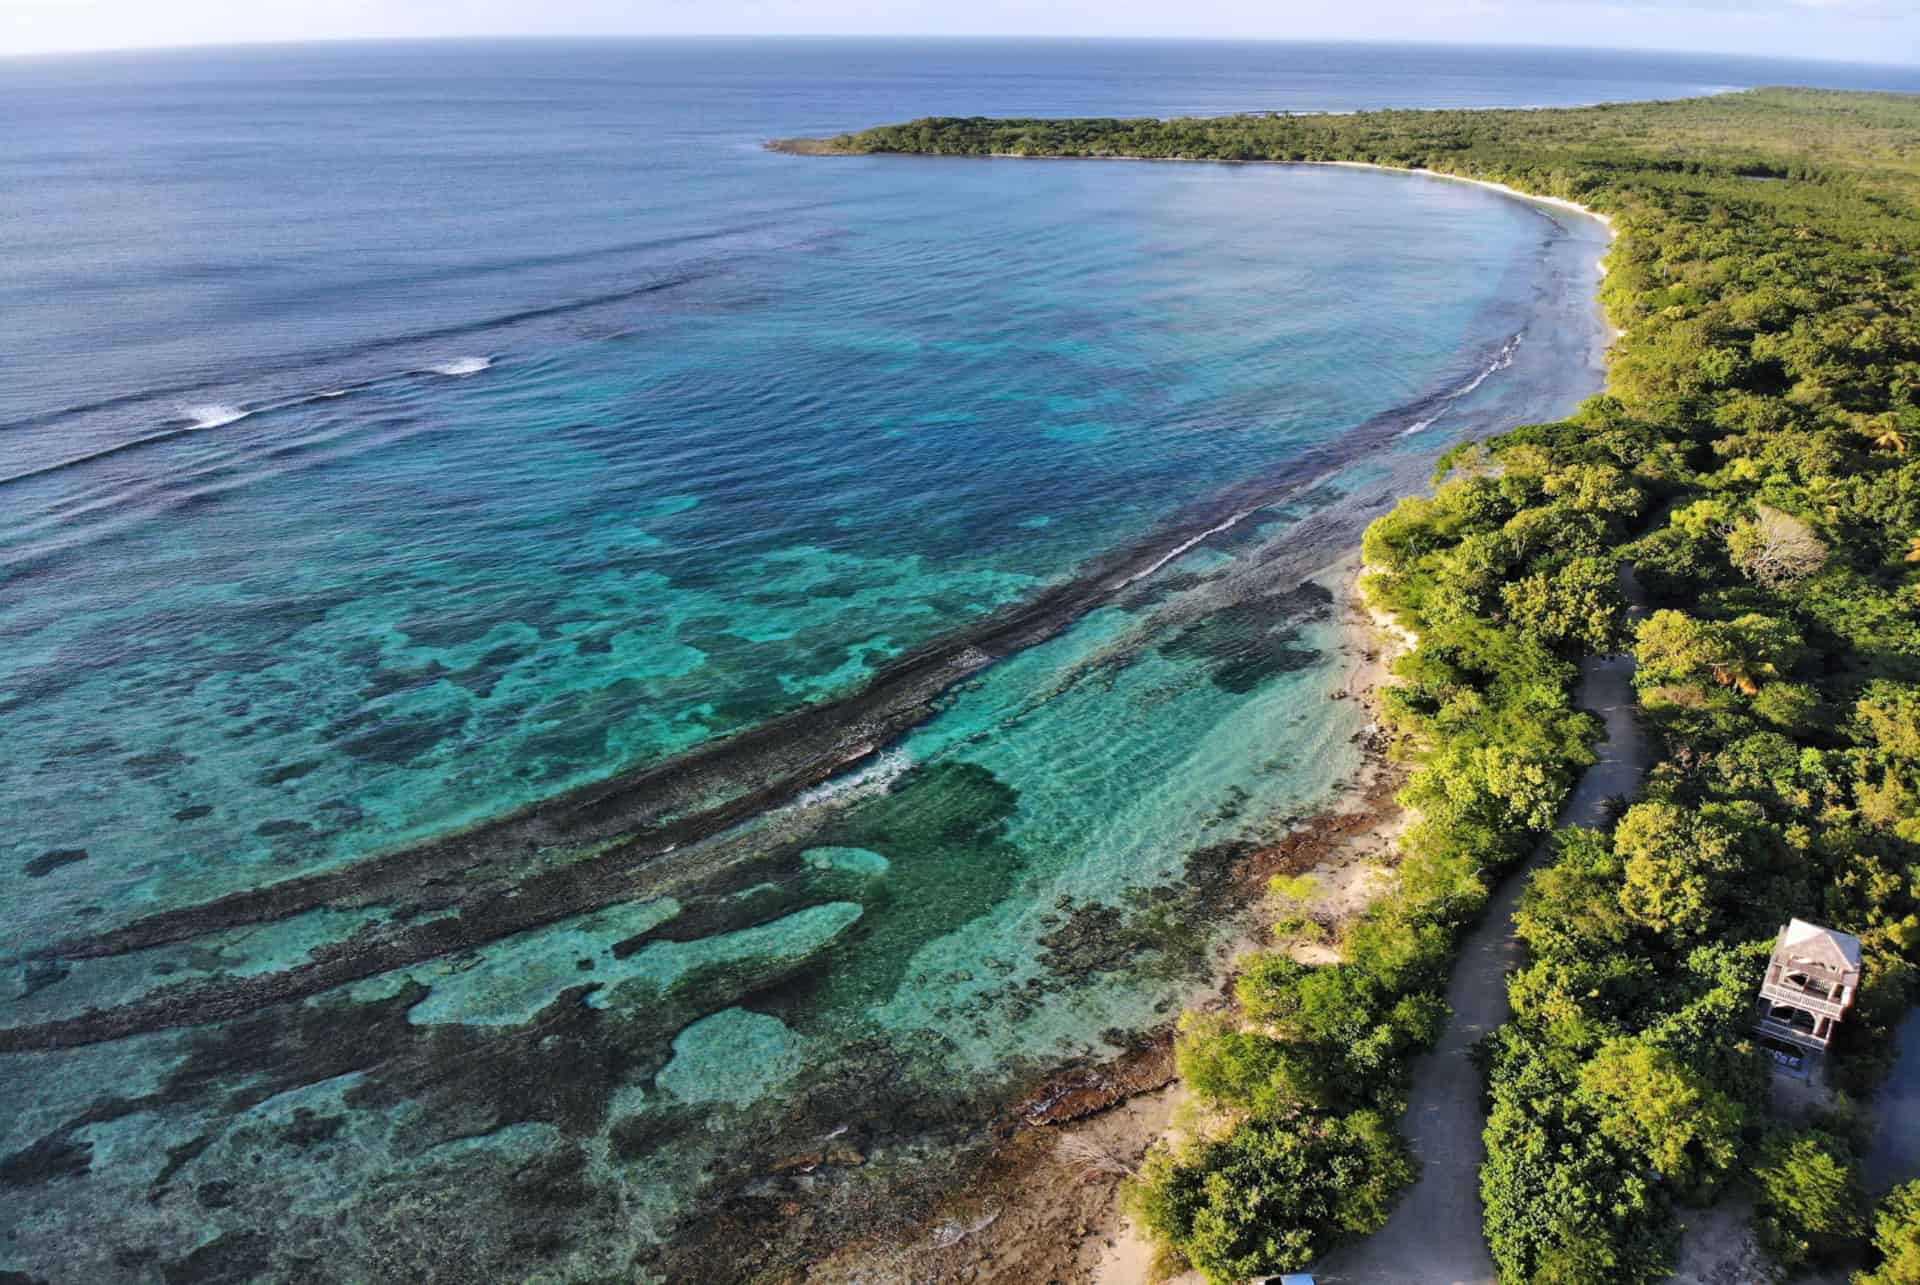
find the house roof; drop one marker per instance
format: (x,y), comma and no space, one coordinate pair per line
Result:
(1837,950)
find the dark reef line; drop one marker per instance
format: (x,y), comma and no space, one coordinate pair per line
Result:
(594,840)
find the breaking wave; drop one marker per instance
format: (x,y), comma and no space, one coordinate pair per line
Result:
(1501,360)
(461,366)
(213,414)
(876,778)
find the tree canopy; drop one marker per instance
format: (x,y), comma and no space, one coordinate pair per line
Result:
(1757,458)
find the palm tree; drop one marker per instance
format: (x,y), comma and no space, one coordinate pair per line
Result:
(1887,435)
(1913,549)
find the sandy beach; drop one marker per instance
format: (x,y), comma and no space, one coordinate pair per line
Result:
(825,147)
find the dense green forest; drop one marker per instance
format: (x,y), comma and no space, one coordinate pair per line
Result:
(1757,460)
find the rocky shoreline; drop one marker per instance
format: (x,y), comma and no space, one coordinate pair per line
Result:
(1037,1200)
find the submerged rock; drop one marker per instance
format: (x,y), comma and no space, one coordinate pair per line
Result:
(48,862)
(859,861)
(733,1056)
(841,1157)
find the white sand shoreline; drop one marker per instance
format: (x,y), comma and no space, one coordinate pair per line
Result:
(1504,189)
(1559,202)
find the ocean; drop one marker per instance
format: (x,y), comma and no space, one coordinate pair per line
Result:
(551,657)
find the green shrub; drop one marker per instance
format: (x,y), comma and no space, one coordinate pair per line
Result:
(1245,1070)
(1896,1239)
(1809,1195)
(1273,1195)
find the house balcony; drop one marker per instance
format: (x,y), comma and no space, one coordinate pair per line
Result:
(1826,1001)
(1795,1025)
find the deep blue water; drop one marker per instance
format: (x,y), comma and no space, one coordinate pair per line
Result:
(400,436)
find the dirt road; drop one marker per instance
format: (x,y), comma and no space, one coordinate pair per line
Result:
(1434,1236)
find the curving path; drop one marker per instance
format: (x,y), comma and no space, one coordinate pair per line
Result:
(1434,1236)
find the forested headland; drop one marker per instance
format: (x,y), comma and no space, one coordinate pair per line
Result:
(1756,460)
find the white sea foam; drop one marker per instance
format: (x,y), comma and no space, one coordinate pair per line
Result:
(461,366)
(1181,548)
(1473,383)
(875,778)
(1499,363)
(213,414)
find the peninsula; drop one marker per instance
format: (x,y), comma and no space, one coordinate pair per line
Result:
(1755,463)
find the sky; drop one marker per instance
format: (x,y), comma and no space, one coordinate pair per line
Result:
(1867,30)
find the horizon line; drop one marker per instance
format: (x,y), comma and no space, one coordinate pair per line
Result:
(929,37)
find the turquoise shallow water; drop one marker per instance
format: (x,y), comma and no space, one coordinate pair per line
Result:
(603,438)
(331,627)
